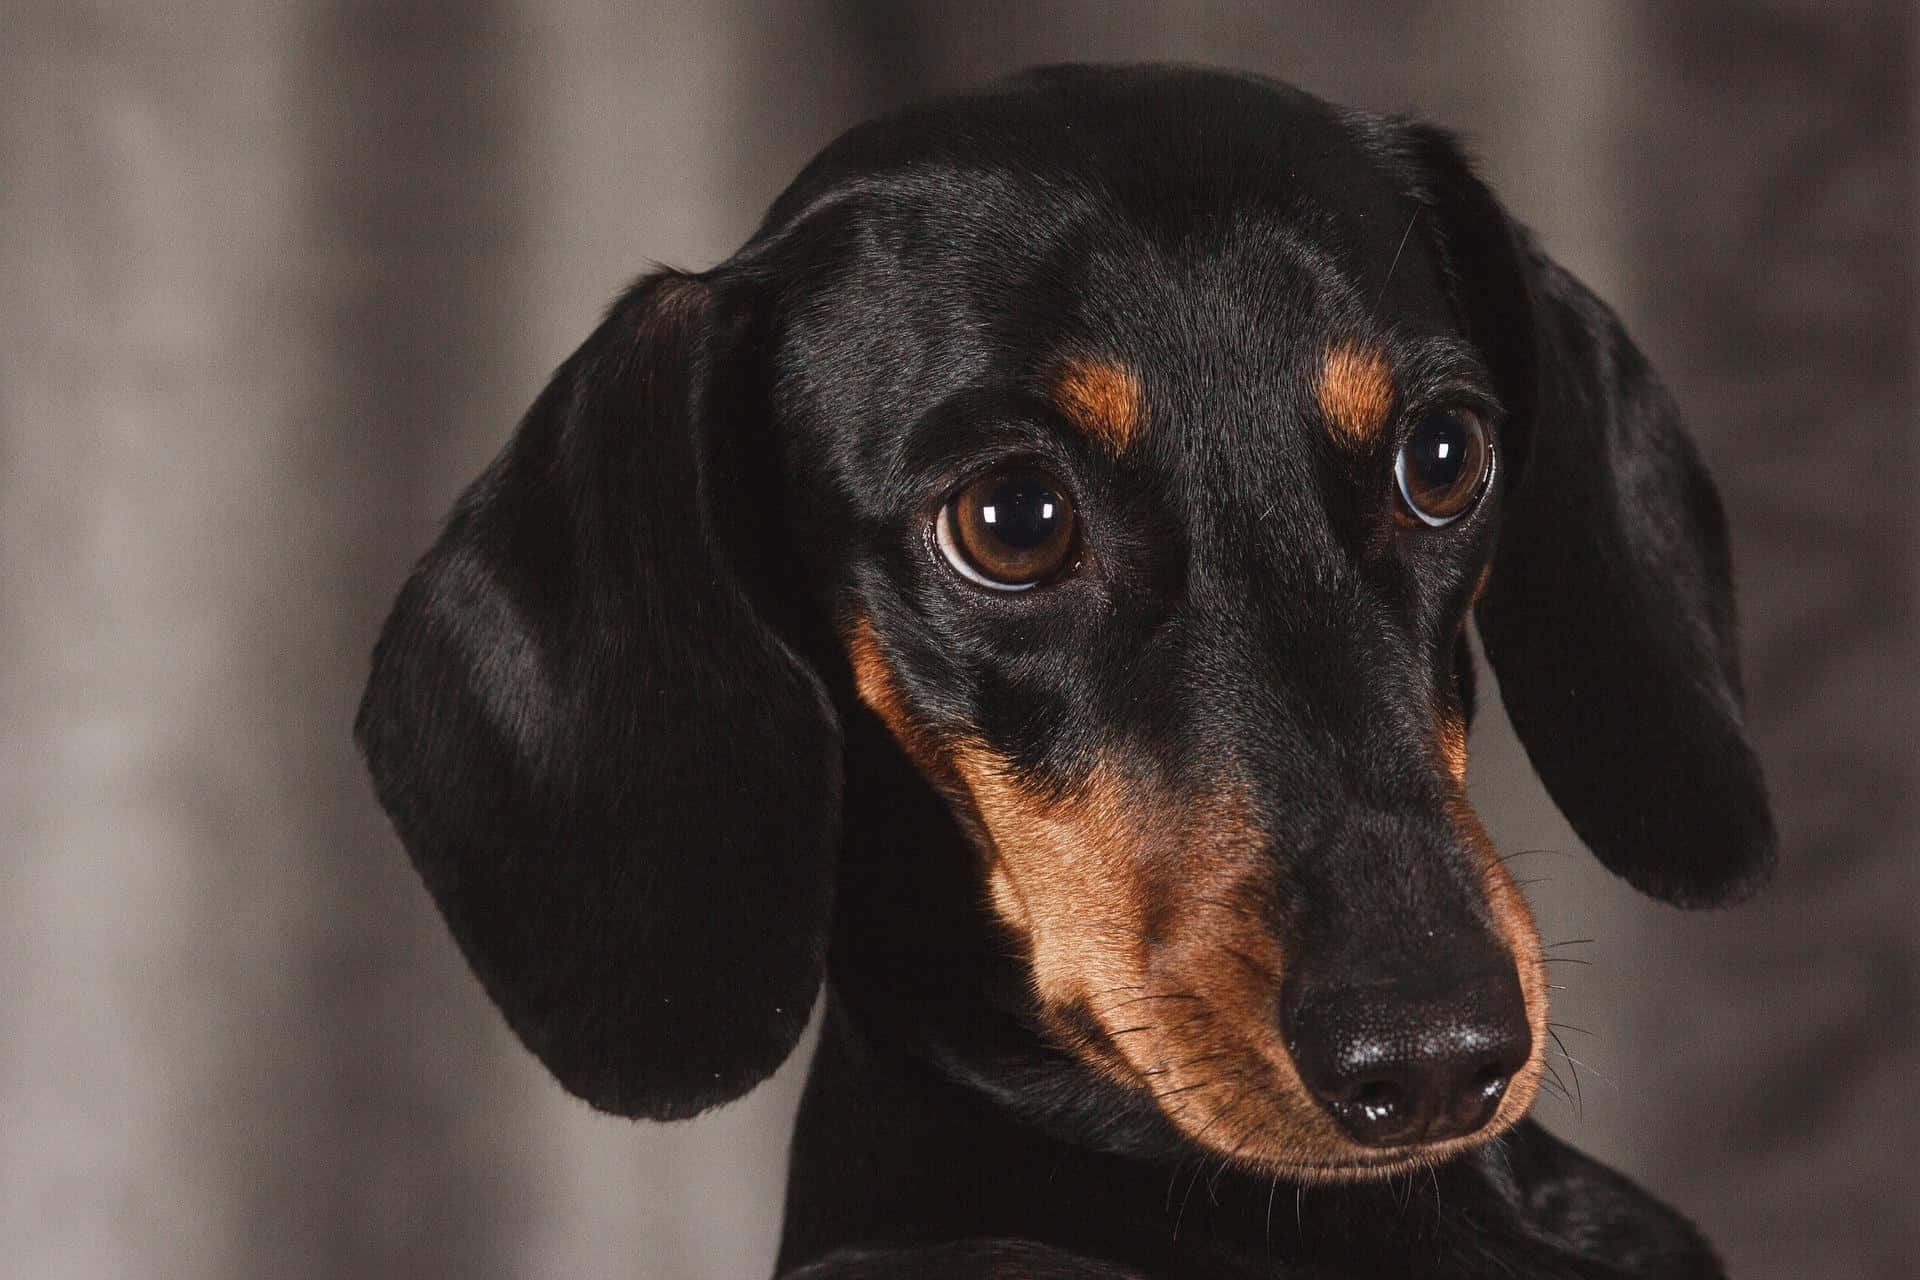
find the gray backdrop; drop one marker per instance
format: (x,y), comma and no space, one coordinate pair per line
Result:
(276,279)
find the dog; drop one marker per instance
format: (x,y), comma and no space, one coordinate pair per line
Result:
(1025,590)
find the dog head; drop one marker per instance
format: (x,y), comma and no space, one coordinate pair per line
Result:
(1035,569)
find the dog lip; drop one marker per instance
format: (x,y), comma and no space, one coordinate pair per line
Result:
(1391,1157)
(1390,1160)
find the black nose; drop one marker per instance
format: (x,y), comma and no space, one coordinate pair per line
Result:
(1411,1061)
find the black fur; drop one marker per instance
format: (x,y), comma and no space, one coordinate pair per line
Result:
(590,740)
(611,714)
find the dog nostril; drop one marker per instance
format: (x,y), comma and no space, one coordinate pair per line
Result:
(1379,1108)
(1472,1106)
(1378,1099)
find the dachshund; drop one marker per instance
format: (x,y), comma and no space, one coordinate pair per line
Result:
(1024,591)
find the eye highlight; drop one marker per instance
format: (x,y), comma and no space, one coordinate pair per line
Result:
(1009,530)
(1443,467)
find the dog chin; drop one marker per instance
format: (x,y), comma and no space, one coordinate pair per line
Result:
(1369,1164)
(1389,1163)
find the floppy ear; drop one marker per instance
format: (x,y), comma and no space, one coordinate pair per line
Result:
(1609,616)
(620,785)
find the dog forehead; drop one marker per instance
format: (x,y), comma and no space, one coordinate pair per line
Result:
(1152,136)
(1172,211)
(997,178)
(1196,269)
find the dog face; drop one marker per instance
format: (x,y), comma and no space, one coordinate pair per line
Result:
(1053,537)
(1190,466)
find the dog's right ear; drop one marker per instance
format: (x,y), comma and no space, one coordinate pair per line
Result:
(621,786)
(1608,616)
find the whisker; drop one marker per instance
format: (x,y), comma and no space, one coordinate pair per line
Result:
(1499,1146)
(1178,1165)
(1185,1088)
(1272,1189)
(1526,853)
(1198,1168)
(1392,266)
(1588,1067)
(1579,1098)
(1162,995)
(1215,1056)
(1213,1183)
(1554,1072)
(1182,1215)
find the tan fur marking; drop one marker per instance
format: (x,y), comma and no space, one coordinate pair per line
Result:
(1149,912)
(1453,747)
(1356,391)
(872,678)
(873,682)
(1102,398)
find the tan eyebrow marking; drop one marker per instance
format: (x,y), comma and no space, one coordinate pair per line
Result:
(1102,398)
(1355,392)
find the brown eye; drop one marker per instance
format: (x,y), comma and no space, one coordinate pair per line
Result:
(1009,530)
(1443,466)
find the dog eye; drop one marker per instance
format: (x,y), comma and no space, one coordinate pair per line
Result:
(1443,466)
(1009,530)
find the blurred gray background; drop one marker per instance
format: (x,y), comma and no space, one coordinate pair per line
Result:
(276,280)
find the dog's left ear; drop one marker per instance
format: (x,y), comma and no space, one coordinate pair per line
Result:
(1609,616)
(618,779)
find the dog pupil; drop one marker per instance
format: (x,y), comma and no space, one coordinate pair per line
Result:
(1438,451)
(1022,514)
